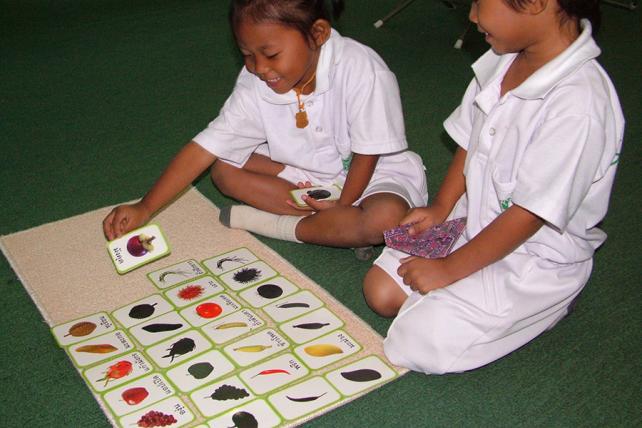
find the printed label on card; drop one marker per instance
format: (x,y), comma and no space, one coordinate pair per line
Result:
(115,372)
(82,329)
(137,248)
(175,274)
(230,260)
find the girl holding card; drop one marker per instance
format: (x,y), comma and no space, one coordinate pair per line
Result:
(539,131)
(309,107)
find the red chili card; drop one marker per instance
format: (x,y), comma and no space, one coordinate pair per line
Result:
(432,243)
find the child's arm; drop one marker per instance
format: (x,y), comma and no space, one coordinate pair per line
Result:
(501,237)
(453,186)
(186,166)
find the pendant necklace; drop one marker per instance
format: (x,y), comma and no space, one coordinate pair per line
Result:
(301,116)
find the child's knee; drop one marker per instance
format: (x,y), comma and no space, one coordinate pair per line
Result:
(221,175)
(382,295)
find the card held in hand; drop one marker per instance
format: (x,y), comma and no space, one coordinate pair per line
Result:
(433,243)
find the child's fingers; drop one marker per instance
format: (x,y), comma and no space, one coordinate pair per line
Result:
(108,227)
(294,205)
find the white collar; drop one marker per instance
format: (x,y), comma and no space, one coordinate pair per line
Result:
(330,55)
(490,65)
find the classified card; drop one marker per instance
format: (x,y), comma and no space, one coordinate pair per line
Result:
(138,247)
(320,193)
(433,243)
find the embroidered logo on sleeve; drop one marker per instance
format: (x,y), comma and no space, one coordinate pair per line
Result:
(506,203)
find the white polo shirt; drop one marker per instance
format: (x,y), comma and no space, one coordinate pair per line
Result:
(355,107)
(551,146)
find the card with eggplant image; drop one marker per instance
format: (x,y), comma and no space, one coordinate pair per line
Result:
(257,413)
(137,248)
(170,412)
(256,347)
(159,328)
(230,260)
(361,375)
(232,326)
(304,398)
(311,325)
(138,394)
(248,275)
(327,349)
(179,348)
(273,374)
(142,310)
(319,193)
(268,291)
(193,291)
(113,373)
(175,274)
(218,397)
(293,306)
(100,348)
(82,329)
(210,309)
(200,370)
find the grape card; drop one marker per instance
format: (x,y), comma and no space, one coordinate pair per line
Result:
(100,348)
(193,291)
(117,371)
(142,310)
(274,373)
(137,248)
(432,243)
(175,274)
(311,325)
(327,349)
(200,370)
(230,260)
(232,326)
(258,413)
(82,329)
(248,275)
(304,398)
(268,291)
(320,193)
(218,397)
(168,412)
(159,328)
(361,375)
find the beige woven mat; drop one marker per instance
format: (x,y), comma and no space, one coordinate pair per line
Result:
(66,269)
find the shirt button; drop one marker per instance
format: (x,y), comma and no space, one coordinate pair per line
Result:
(491,131)
(318,129)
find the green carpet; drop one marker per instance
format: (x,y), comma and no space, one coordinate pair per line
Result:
(97,95)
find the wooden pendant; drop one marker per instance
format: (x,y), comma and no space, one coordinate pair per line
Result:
(301,119)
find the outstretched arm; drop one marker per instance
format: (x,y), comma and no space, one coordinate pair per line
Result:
(186,166)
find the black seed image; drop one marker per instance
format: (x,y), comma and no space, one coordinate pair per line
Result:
(362,375)
(305,399)
(269,291)
(181,347)
(157,328)
(293,305)
(200,370)
(247,275)
(244,420)
(141,311)
(228,392)
(235,259)
(311,325)
(318,194)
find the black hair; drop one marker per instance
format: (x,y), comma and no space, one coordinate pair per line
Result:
(298,14)
(574,9)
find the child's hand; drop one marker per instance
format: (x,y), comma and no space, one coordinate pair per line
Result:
(423,218)
(124,218)
(424,275)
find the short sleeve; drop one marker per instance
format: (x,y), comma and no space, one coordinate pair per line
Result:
(375,114)
(238,130)
(459,124)
(559,166)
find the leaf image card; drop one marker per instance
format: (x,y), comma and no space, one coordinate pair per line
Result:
(137,248)
(306,397)
(268,291)
(257,413)
(210,309)
(232,326)
(320,193)
(175,274)
(230,260)
(171,412)
(200,370)
(361,375)
(142,310)
(248,275)
(115,372)
(82,329)
(435,242)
